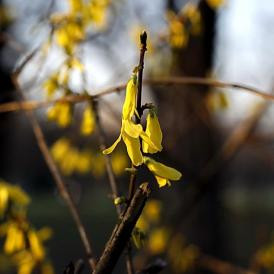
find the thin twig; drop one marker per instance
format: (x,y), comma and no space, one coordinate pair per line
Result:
(169,81)
(109,169)
(122,231)
(58,178)
(221,267)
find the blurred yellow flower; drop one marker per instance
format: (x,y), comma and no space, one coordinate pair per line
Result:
(83,164)
(36,246)
(119,162)
(178,36)
(157,241)
(51,85)
(4,196)
(60,148)
(15,239)
(61,113)
(192,13)
(88,121)
(152,210)
(215,3)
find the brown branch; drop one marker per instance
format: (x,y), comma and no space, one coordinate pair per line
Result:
(122,231)
(57,178)
(169,81)
(221,267)
(109,169)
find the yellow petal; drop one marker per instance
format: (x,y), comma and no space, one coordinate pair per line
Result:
(133,149)
(111,148)
(158,240)
(161,170)
(130,100)
(162,181)
(35,245)
(4,196)
(88,122)
(147,140)
(154,132)
(132,129)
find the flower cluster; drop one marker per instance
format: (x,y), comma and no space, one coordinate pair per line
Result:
(139,141)
(72,160)
(180,26)
(264,257)
(69,30)
(22,242)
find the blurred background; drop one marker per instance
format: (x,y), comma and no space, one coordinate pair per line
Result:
(221,213)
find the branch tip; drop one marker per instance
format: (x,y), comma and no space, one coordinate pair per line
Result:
(143,38)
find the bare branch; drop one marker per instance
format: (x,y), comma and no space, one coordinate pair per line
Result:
(122,231)
(58,179)
(221,267)
(169,81)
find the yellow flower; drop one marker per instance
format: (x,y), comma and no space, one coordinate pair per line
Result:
(154,133)
(157,240)
(25,262)
(14,193)
(36,246)
(96,12)
(178,36)
(83,164)
(76,5)
(192,13)
(4,196)
(51,85)
(162,173)
(131,132)
(119,162)
(88,121)
(214,4)
(60,148)
(152,210)
(69,164)
(129,106)
(15,239)
(61,112)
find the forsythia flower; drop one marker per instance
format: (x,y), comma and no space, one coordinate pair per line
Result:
(178,36)
(162,173)
(15,239)
(154,133)
(192,13)
(215,3)
(36,246)
(61,112)
(4,196)
(11,193)
(158,240)
(60,148)
(119,162)
(88,122)
(131,132)
(51,85)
